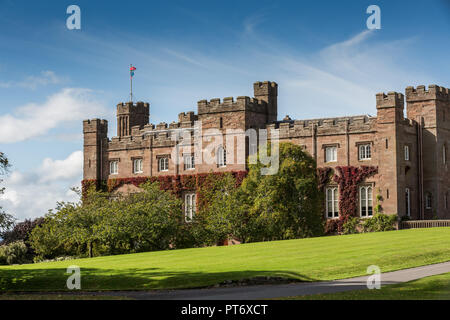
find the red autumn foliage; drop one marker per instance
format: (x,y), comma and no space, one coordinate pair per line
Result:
(348,180)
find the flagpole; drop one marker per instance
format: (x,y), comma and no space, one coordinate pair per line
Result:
(131,84)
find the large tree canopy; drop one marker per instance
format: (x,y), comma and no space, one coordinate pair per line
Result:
(284,205)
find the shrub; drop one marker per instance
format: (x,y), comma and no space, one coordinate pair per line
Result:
(331,226)
(13,253)
(351,226)
(380,222)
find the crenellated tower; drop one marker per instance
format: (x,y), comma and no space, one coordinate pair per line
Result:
(130,115)
(431,109)
(95,145)
(268,91)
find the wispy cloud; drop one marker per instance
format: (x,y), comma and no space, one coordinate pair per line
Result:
(30,194)
(36,119)
(33,82)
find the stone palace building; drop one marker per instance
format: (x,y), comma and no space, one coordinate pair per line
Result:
(409,150)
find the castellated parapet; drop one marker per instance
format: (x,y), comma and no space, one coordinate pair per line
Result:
(95,126)
(420,93)
(324,126)
(242,103)
(391,100)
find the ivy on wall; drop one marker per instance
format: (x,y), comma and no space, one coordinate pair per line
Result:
(348,180)
(175,183)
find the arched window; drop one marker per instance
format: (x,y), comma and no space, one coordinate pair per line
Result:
(189,206)
(365,201)
(163,164)
(221,157)
(365,152)
(332,203)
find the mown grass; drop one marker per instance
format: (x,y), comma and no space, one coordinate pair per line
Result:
(323,258)
(429,288)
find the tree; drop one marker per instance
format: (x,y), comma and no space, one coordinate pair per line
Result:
(100,224)
(220,215)
(284,205)
(6,220)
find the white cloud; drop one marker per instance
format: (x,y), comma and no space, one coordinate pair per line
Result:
(33,82)
(31,194)
(61,169)
(32,120)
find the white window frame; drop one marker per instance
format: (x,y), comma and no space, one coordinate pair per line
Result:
(163,164)
(114,167)
(407,153)
(408,201)
(221,157)
(138,165)
(189,162)
(365,151)
(190,206)
(331,154)
(333,202)
(367,202)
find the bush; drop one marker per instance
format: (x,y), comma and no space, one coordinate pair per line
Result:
(351,226)
(13,253)
(331,226)
(380,222)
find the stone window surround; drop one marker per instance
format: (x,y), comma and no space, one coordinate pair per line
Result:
(407,151)
(366,186)
(332,187)
(116,160)
(330,145)
(359,144)
(190,198)
(192,159)
(158,159)
(134,159)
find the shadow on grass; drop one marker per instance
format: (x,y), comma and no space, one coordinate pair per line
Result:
(127,279)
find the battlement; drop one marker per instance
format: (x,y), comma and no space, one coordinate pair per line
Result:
(265,88)
(420,93)
(242,103)
(186,116)
(324,126)
(391,100)
(95,125)
(138,107)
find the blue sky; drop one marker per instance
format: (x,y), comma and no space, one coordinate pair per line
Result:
(325,60)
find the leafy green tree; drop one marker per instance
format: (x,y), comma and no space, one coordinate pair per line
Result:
(286,204)
(221,215)
(101,224)
(6,220)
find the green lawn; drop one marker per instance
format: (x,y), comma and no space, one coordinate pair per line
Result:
(323,258)
(430,288)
